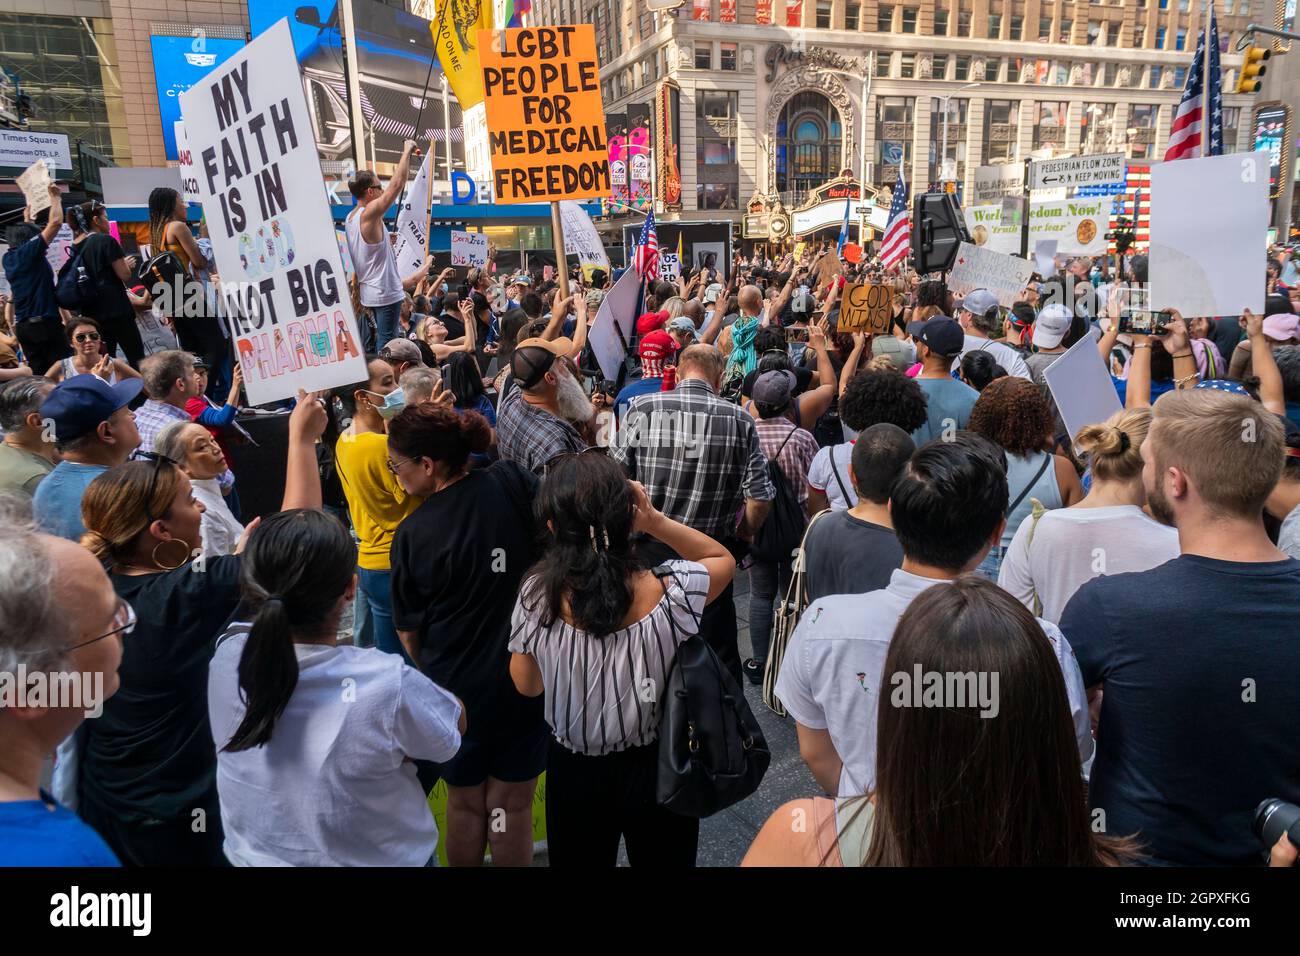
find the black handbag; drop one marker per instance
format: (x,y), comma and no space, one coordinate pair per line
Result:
(712,752)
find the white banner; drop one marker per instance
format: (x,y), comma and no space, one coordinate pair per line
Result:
(669,266)
(1078,225)
(617,314)
(189,175)
(979,268)
(580,235)
(24,147)
(986,229)
(469,249)
(412,221)
(283,286)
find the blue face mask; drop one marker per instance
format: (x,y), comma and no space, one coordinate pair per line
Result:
(445,288)
(394,402)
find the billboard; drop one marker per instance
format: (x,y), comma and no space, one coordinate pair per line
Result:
(394,50)
(179,63)
(1272,125)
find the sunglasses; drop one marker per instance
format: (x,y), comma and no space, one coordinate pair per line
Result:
(87,336)
(124,621)
(158,462)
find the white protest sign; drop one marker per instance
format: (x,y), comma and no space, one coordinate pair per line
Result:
(283,289)
(189,176)
(670,267)
(1077,171)
(1077,225)
(979,268)
(412,220)
(580,235)
(1222,199)
(985,224)
(1082,387)
(1045,256)
(60,246)
(993,183)
(615,322)
(35,181)
(469,249)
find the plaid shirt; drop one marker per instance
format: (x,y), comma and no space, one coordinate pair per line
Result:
(697,455)
(531,436)
(152,417)
(796,455)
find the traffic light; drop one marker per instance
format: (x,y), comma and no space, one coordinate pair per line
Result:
(1252,68)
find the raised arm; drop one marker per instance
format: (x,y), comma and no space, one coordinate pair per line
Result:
(851,363)
(814,403)
(413,280)
(1137,391)
(302,476)
(558,312)
(580,330)
(374,212)
(55,222)
(1264,364)
(1179,345)
(690,544)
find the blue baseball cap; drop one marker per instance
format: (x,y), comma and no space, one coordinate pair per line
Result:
(78,404)
(942,336)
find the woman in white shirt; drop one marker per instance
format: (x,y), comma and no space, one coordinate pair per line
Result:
(1054,553)
(194,449)
(315,740)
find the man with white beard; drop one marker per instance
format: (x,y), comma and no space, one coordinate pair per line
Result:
(534,421)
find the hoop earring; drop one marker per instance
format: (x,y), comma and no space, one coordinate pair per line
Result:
(154,554)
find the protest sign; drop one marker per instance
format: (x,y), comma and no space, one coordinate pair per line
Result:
(865,307)
(670,266)
(546,121)
(979,268)
(413,221)
(615,322)
(1045,256)
(282,290)
(581,237)
(60,248)
(1078,225)
(35,181)
(189,176)
(469,249)
(1082,387)
(989,228)
(993,183)
(1221,277)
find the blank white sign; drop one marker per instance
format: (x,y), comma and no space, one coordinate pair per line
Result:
(1082,387)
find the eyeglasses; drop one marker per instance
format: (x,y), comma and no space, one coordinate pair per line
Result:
(124,621)
(87,336)
(394,465)
(158,462)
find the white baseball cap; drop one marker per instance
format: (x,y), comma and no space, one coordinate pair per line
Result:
(1052,325)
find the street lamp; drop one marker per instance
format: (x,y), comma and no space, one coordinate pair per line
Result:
(943,156)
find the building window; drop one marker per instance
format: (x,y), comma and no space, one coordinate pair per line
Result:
(1231,118)
(1096,127)
(1160,38)
(717,173)
(1164,4)
(823,14)
(939,69)
(1044,29)
(1142,131)
(885,19)
(1067,27)
(882,63)
(993,69)
(1180,77)
(727,56)
(1001,130)
(704,56)
(1153,78)
(957,111)
(909,20)
(1049,128)
(1180,39)
(995,26)
(907,66)
(941,23)
(1139,36)
(852,16)
(1112,34)
(961,70)
(963,23)
(1183,5)
(1094,32)
(809,143)
(894,118)
(1017,28)
(1109,74)
(647,25)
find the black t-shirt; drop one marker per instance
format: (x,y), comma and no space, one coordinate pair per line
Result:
(151,753)
(99,252)
(457,562)
(846,555)
(455,327)
(1198,658)
(1225,334)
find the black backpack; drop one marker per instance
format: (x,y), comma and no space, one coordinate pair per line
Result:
(712,752)
(163,270)
(781,533)
(74,289)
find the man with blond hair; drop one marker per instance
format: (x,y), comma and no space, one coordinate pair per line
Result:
(1197,658)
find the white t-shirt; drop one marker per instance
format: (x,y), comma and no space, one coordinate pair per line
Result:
(1005,355)
(832,675)
(821,478)
(220,530)
(332,787)
(1071,546)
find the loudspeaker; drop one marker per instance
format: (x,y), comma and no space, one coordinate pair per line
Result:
(937,231)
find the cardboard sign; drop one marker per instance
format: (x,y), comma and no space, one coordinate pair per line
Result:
(1221,276)
(670,266)
(35,181)
(1078,225)
(469,249)
(283,291)
(979,268)
(546,120)
(1082,387)
(991,228)
(866,307)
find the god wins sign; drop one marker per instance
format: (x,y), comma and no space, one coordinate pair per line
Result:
(546,121)
(866,307)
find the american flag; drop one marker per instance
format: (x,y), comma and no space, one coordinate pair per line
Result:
(1185,133)
(898,231)
(647,249)
(1216,90)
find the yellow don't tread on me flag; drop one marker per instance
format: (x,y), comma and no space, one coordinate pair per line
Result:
(455,37)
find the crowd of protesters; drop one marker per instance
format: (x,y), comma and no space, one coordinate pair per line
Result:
(495,545)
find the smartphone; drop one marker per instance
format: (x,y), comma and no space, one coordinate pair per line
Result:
(1143,323)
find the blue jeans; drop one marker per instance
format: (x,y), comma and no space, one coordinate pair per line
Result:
(388,323)
(379,602)
(991,564)
(767,580)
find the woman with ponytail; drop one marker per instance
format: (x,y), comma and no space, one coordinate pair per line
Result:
(596,631)
(1054,553)
(336,727)
(147,764)
(457,562)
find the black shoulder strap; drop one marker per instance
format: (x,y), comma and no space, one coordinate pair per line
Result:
(1047,460)
(838,480)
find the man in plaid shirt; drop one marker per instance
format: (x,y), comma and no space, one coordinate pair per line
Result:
(170,380)
(698,457)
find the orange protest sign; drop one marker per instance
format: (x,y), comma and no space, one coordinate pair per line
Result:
(545,118)
(866,307)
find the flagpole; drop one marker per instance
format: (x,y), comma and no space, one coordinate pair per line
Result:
(1205,84)
(561,257)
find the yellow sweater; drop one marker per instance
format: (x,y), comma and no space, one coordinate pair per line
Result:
(376,501)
